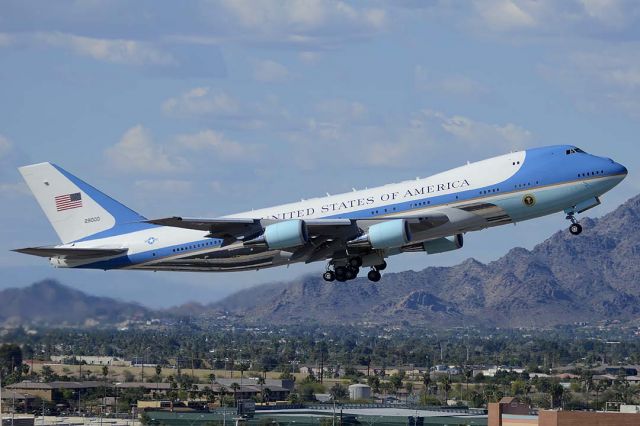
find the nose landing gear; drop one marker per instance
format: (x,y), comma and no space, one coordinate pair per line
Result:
(575,228)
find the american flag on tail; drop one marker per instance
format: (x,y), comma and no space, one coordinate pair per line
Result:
(68,201)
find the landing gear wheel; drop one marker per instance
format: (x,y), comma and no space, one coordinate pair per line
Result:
(382,266)
(575,229)
(341,273)
(351,272)
(329,276)
(355,262)
(374,276)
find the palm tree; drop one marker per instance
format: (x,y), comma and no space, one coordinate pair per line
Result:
(426,381)
(242,367)
(266,395)
(446,386)
(261,382)
(235,387)
(158,372)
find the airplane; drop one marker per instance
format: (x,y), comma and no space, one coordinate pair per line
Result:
(348,231)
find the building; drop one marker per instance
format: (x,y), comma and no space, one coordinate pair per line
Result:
(51,391)
(218,389)
(12,400)
(359,391)
(511,412)
(90,360)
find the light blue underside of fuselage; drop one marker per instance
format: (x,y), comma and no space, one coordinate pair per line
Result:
(557,181)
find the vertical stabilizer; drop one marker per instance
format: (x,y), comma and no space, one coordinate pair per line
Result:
(75,209)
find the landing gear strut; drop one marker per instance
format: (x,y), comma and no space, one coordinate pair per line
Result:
(350,271)
(575,228)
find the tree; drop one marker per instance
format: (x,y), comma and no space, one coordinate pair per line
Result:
(396,382)
(446,386)
(409,387)
(266,395)
(338,391)
(47,374)
(11,363)
(286,375)
(235,387)
(105,372)
(261,382)
(426,381)
(374,383)
(10,358)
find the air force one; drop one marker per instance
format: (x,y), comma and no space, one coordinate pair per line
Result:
(348,231)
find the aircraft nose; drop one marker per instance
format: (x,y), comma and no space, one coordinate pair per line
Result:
(619,169)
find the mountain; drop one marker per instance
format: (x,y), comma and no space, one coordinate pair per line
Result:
(565,279)
(51,303)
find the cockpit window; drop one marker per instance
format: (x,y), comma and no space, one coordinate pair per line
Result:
(574,151)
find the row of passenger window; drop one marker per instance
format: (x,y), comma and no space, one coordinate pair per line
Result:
(193,246)
(597,172)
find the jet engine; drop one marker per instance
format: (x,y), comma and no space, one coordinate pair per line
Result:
(439,245)
(393,233)
(282,235)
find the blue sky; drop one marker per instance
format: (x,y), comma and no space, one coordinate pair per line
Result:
(206,108)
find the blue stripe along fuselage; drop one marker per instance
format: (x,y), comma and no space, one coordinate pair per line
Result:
(542,167)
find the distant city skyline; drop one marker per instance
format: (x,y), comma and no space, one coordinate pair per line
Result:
(213,107)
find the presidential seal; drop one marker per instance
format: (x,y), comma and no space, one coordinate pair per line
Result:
(529,200)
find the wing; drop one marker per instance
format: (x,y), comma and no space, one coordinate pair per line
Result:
(231,230)
(71,252)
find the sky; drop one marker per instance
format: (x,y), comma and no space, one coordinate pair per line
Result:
(206,108)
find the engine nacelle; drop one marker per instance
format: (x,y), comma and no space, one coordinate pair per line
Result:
(290,233)
(393,233)
(443,244)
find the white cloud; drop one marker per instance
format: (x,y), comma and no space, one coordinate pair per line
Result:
(504,14)
(107,50)
(6,39)
(19,188)
(600,78)
(342,110)
(309,57)
(303,22)
(454,84)
(270,71)
(569,19)
(171,186)
(136,152)
(5,147)
(218,144)
(202,101)
(507,136)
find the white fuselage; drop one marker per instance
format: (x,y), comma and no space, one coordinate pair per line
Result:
(474,196)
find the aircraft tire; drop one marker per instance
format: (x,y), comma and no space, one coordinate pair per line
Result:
(329,276)
(575,229)
(374,276)
(382,266)
(355,262)
(341,273)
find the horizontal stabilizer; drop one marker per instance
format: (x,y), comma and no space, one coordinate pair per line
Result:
(73,253)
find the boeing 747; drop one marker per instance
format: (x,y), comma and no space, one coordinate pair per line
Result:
(348,231)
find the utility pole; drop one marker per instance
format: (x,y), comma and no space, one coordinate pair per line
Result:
(321,365)
(1,398)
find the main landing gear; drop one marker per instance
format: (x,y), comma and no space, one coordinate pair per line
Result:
(350,271)
(575,228)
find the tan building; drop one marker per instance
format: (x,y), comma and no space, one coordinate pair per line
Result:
(51,391)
